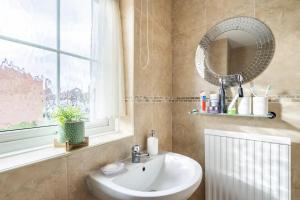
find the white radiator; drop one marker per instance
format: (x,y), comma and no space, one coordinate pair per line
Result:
(244,166)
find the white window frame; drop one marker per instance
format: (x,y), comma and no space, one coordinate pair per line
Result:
(15,140)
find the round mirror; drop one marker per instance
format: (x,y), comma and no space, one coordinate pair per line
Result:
(240,46)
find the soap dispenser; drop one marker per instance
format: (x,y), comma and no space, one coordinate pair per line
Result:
(152,144)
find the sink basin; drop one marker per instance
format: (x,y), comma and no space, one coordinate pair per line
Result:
(167,176)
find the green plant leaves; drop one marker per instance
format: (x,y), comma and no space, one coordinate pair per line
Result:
(67,114)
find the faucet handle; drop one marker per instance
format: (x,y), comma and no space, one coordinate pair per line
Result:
(136,148)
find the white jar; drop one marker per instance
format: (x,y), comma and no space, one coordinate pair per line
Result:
(244,106)
(260,105)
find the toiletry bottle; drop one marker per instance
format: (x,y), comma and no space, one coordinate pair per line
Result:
(231,110)
(222,102)
(240,89)
(203,103)
(152,144)
(207,103)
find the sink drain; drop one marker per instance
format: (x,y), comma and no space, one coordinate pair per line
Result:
(152,190)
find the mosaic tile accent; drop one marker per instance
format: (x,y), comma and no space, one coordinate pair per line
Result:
(149,99)
(159,99)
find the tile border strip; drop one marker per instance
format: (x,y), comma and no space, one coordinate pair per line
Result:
(161,99)
(149,99)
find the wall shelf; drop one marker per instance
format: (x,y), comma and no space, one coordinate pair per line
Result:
(270,115)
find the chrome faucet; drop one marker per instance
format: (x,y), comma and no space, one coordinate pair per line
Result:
(137,154)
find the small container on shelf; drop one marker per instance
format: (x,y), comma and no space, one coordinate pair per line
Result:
(214,99)
(244,105)
(213,109)
(203,103)
(260,105)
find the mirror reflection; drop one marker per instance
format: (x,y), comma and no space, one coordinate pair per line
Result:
(231,52)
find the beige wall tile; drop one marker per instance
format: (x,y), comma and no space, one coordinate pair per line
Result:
(186,80)
(46,180)
(143,85)
(282,17)
(161,61)
(188,138)
(158,10)
(143,122)
(162,120)
(295,194)
(188,15)
(161,12)
(153,116)
(218,10)
(152,78)
(296,166)
(81,163)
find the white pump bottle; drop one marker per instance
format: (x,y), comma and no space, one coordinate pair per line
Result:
(152,144)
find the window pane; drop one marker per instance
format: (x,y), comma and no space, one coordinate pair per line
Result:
(28,86)
(29,20)
(75,82)
(76,26)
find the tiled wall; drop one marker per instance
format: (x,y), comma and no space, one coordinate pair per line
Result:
(153,79)
(63,178)
(191,20)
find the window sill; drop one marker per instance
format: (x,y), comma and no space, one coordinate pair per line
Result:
(27,157)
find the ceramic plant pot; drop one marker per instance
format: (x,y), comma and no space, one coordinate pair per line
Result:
(73,132)
(61,136)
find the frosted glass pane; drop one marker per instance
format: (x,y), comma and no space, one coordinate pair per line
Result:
(29,20)
(76,23)
(28,86)
(75,82)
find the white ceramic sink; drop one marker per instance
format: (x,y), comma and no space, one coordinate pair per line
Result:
(167,176)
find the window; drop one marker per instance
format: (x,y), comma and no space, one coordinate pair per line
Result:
(46,60)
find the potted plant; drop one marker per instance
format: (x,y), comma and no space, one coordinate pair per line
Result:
(71,125)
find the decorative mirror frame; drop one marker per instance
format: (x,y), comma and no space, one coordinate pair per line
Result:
(265,48)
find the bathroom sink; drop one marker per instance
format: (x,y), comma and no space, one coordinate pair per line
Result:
(167,176)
